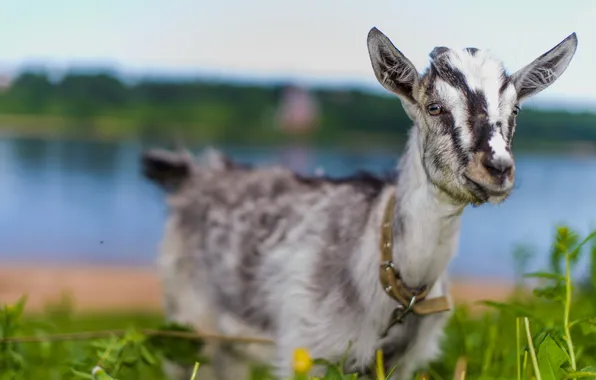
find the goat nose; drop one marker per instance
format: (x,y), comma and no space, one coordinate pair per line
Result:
(498,167)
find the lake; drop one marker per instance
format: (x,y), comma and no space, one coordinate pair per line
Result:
(81,202)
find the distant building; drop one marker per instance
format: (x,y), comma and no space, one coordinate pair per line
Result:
(298,111)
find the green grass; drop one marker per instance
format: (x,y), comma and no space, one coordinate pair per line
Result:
(546,335)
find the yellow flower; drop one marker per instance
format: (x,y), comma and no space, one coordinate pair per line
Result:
(302,361)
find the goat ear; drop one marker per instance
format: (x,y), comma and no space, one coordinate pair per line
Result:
(393,70)
(544,70)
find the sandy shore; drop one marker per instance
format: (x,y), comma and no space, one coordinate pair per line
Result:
(100,288)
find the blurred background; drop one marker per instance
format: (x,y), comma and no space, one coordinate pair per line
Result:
(85,86)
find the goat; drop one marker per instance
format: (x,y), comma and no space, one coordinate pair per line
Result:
(358,262)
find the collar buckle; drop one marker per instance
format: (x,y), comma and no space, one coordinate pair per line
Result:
(401,312)
(399,315)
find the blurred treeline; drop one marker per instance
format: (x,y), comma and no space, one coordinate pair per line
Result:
(101,105)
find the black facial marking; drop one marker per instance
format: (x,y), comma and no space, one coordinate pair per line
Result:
(431,77)
(437,51)
(472,50)
(482,134)
(506,80)
(448,123)
(477,115)
(449,74)
(510,127)
(476,101)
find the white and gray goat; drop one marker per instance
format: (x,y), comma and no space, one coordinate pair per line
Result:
(299,259)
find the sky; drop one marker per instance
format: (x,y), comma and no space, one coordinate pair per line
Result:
(312,40)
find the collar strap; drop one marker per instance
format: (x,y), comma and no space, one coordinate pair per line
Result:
(409,299)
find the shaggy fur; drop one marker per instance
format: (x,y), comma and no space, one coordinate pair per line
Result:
(266,251)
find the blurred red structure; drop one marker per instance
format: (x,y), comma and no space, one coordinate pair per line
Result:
(299,111)
(4,82)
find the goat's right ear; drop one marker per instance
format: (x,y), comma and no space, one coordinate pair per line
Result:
(393,70)
(544,70)
(167,169)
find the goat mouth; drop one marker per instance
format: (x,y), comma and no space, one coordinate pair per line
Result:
(481,192)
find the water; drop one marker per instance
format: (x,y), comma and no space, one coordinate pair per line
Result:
(80,202)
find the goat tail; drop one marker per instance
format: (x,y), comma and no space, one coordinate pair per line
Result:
(169,169)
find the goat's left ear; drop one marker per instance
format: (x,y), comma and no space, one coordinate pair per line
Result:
(393,70)
(544,70)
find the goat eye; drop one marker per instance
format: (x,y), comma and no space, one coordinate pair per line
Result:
(516,110)
(434,109)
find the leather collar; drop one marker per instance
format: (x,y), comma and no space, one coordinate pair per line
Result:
(408,299)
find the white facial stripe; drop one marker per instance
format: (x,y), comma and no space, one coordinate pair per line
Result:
(482,73)
(506,107)
(507,99)
(454,99)
(491,93)
(499,146)
(467,65)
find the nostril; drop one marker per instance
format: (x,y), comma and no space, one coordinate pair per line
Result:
(498,168)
